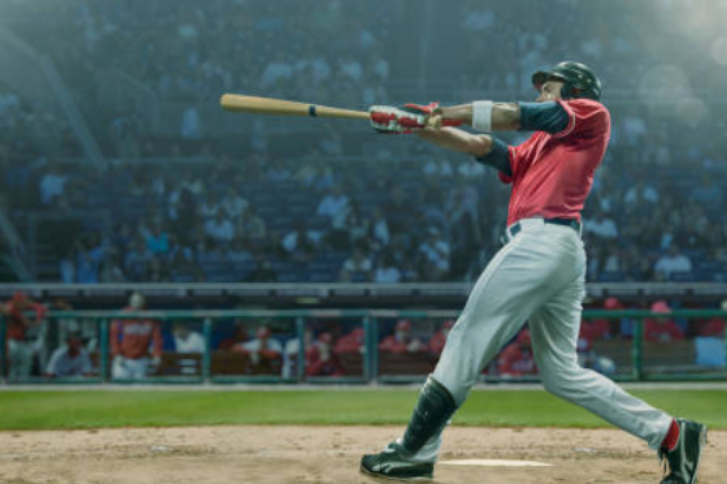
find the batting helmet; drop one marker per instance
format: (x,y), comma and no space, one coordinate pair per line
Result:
(579,80)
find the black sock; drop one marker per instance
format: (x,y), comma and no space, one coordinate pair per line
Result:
(432,412)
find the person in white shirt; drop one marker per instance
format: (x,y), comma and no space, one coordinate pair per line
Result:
(640,193)
(358,263)
(71,360)
(673,261)
(52,185)
(234,204)
(263,350)
(186,340)
(380,228)
(220,228)
(601,226)
(435,252)
(386,272)
(334,205)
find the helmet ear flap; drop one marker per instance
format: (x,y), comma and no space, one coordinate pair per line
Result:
(569,91)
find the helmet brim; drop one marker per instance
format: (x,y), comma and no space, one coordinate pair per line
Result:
(541,77)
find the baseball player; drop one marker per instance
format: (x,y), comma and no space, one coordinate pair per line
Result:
(131,341)
(538,276)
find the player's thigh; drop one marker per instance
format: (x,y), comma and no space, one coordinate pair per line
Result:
(554,328)
(522,276)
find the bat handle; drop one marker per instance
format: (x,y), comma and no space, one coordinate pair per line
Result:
(434,121)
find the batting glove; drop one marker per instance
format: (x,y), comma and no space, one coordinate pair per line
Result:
(392,120)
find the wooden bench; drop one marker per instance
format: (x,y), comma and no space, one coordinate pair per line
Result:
(656,357)
(406,363)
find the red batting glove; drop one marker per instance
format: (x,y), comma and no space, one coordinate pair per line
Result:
(392,120)
(432,109)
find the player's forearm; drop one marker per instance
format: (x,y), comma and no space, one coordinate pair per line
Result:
(504,116)
(457,140)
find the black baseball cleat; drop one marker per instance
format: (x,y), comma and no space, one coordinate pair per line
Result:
(683,461)
(392,463)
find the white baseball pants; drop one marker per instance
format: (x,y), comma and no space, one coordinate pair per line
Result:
(128,369)
(539,277)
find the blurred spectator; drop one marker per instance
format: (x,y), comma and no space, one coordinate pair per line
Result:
(358,266)
(264,271)
(263,350)
(517,358)
(661,329)
(240,335)
(436,343)
(52,185)
(673,262)
(601,226)
(713,327)
(138,261)
(20,349)
(435,256)
(386,271)
(186,340)
(234,204)
(321,360)
(220,228)
(71,360)
(253,226)
(157,241)
(402,340)
(380,228)
(640,194)
(301,243)
(132,340)
(353,342)
(600,328)
(335,206)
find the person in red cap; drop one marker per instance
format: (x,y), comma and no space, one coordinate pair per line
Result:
(599,329)
(517,357)
(20,350)
(661,329)
(321,360)
(401,341)
(714,327)
(436,343)
(353,342)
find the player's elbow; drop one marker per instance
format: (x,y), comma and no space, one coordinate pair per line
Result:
(479,145)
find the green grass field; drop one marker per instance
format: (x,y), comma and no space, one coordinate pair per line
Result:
(132,408)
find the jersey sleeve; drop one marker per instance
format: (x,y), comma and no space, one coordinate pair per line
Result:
(586,119)
(517,154)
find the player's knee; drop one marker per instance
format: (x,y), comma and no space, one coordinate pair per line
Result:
(560,381)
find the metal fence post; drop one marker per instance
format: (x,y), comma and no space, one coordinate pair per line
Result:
(366,325)
(373,348)
(207,355)
(104,350)
(300,357)
(636,350)
(3,355)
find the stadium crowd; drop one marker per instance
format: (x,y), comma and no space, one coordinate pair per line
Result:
(321,219)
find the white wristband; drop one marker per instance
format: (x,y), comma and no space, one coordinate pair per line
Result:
(482,115)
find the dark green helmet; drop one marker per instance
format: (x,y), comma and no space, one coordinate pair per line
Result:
(580,81)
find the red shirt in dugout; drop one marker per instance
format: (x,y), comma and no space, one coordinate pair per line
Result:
(552,174)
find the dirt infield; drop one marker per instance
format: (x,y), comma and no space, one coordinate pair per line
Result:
(257,454)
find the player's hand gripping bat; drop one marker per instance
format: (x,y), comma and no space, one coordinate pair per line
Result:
(383,118)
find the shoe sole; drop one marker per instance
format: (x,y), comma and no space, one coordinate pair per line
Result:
(392,478)
(702,444)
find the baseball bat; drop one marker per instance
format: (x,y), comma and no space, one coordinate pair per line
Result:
(265,105)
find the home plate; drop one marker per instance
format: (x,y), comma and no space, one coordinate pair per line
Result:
(494,463)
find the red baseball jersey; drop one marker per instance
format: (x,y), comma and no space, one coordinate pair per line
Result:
(552,174)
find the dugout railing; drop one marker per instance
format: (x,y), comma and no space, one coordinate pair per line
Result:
(627,357)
